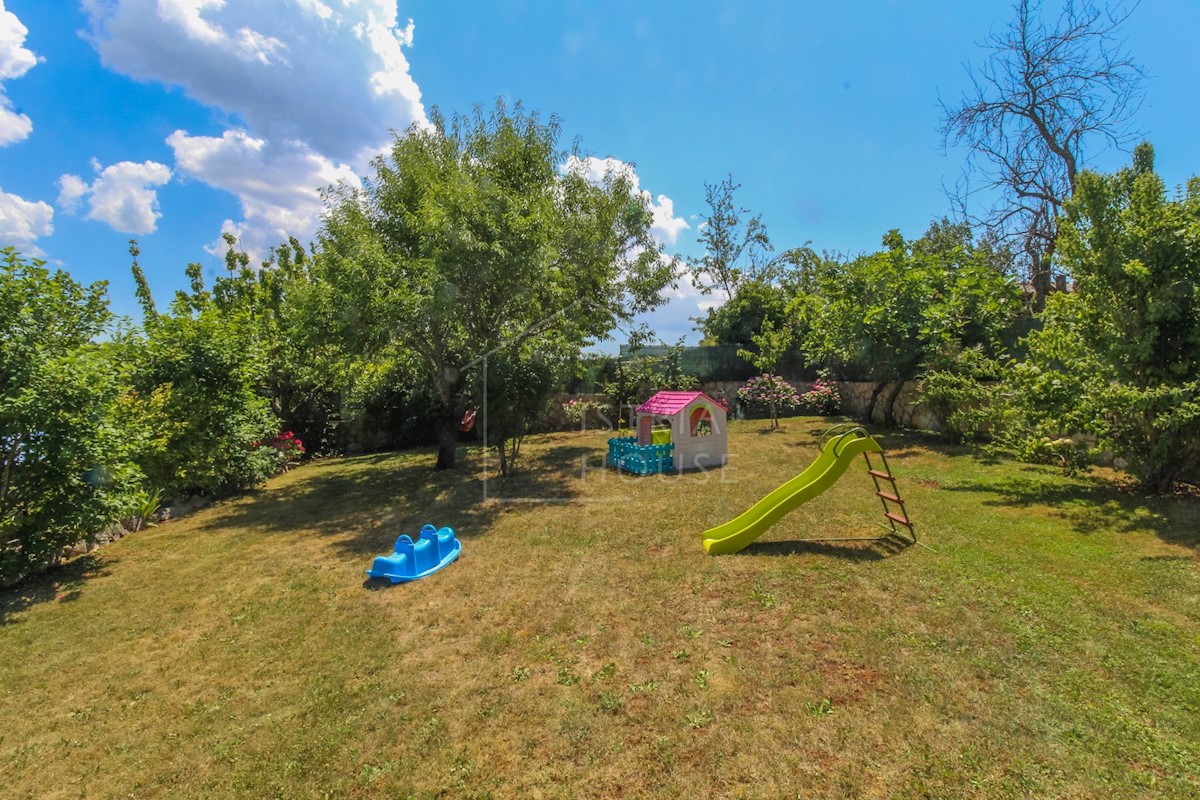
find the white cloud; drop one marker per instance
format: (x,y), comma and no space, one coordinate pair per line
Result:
(277,183)
(71,191)
(666,227)
(15,61)
(333,76)
(23,222)
(123,195)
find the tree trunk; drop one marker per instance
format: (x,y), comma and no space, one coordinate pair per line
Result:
(1161,479)
(889,410)
(447,436)
(869,414)
(1039,275)
(504,464)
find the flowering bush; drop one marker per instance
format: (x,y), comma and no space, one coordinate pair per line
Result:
(577,410)
(287,446)
(821,398)
(770,392)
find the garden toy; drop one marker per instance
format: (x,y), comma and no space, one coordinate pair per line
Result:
(433,550)
(697,438)
(838,448)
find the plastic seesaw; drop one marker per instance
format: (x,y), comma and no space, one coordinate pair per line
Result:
(411,560)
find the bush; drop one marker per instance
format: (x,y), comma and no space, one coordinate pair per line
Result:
(579,409)
(65,466)
(822,399)
(197,387)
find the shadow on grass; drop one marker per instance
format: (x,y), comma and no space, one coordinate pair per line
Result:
(875,550)
(364,503)
(63,583)
(1096,504)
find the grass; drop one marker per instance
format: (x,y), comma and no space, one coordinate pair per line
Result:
(1046,643)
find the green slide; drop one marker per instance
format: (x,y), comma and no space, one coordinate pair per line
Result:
(836,455)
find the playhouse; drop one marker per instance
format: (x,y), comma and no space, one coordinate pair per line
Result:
(676,431)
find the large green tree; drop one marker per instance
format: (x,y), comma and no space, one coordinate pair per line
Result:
(755,303)
(892,315)
(1120,357)
(475,234)
(66,468)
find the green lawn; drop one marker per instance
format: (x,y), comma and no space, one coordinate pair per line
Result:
(1045,643)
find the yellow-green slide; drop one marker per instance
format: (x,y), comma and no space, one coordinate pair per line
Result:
(836,455)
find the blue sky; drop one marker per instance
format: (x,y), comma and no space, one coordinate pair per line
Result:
(172,120)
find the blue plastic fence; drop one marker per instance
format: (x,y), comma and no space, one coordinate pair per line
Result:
(625,453)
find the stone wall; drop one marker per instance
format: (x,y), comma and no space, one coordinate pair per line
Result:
(856,395)
(906,409)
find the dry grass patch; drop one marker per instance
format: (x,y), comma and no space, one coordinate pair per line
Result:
(1047,646)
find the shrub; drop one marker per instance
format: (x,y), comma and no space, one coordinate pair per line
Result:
(822,399)
(577,410)
(285,448)
(196,386)
(65,469)
(769,392)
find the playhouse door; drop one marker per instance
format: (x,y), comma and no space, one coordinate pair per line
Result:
(645,424)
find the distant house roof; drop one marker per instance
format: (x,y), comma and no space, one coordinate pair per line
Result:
(669,403)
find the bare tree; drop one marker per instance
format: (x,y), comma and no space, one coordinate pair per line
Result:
(1045,94)
(733,251)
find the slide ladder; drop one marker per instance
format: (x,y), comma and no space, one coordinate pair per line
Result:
(893,504)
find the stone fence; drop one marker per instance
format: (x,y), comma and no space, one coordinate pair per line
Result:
(856,396)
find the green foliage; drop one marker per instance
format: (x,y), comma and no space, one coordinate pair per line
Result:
(733,251)
(1120,357)
(305,366)
(754,304)
(633,379)
(966,390)
(65,466)
(770,343)
(579,410)
(907,310)
(669,374)
(520,387)
(197,400)
(469,240)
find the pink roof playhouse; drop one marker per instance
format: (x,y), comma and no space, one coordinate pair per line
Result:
(696,439)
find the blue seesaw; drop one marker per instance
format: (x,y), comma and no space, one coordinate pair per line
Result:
(412,560)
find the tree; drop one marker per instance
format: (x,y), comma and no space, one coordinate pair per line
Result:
(305,368)
(892,315)
(521,382)
(65,464)
(769,346)
(754,304)
(1120,357)
(733,251)
(1045,95)
(198,396)
(632,379)
(770,392)
(470,235)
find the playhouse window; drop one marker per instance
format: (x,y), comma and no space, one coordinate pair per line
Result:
(700,423)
